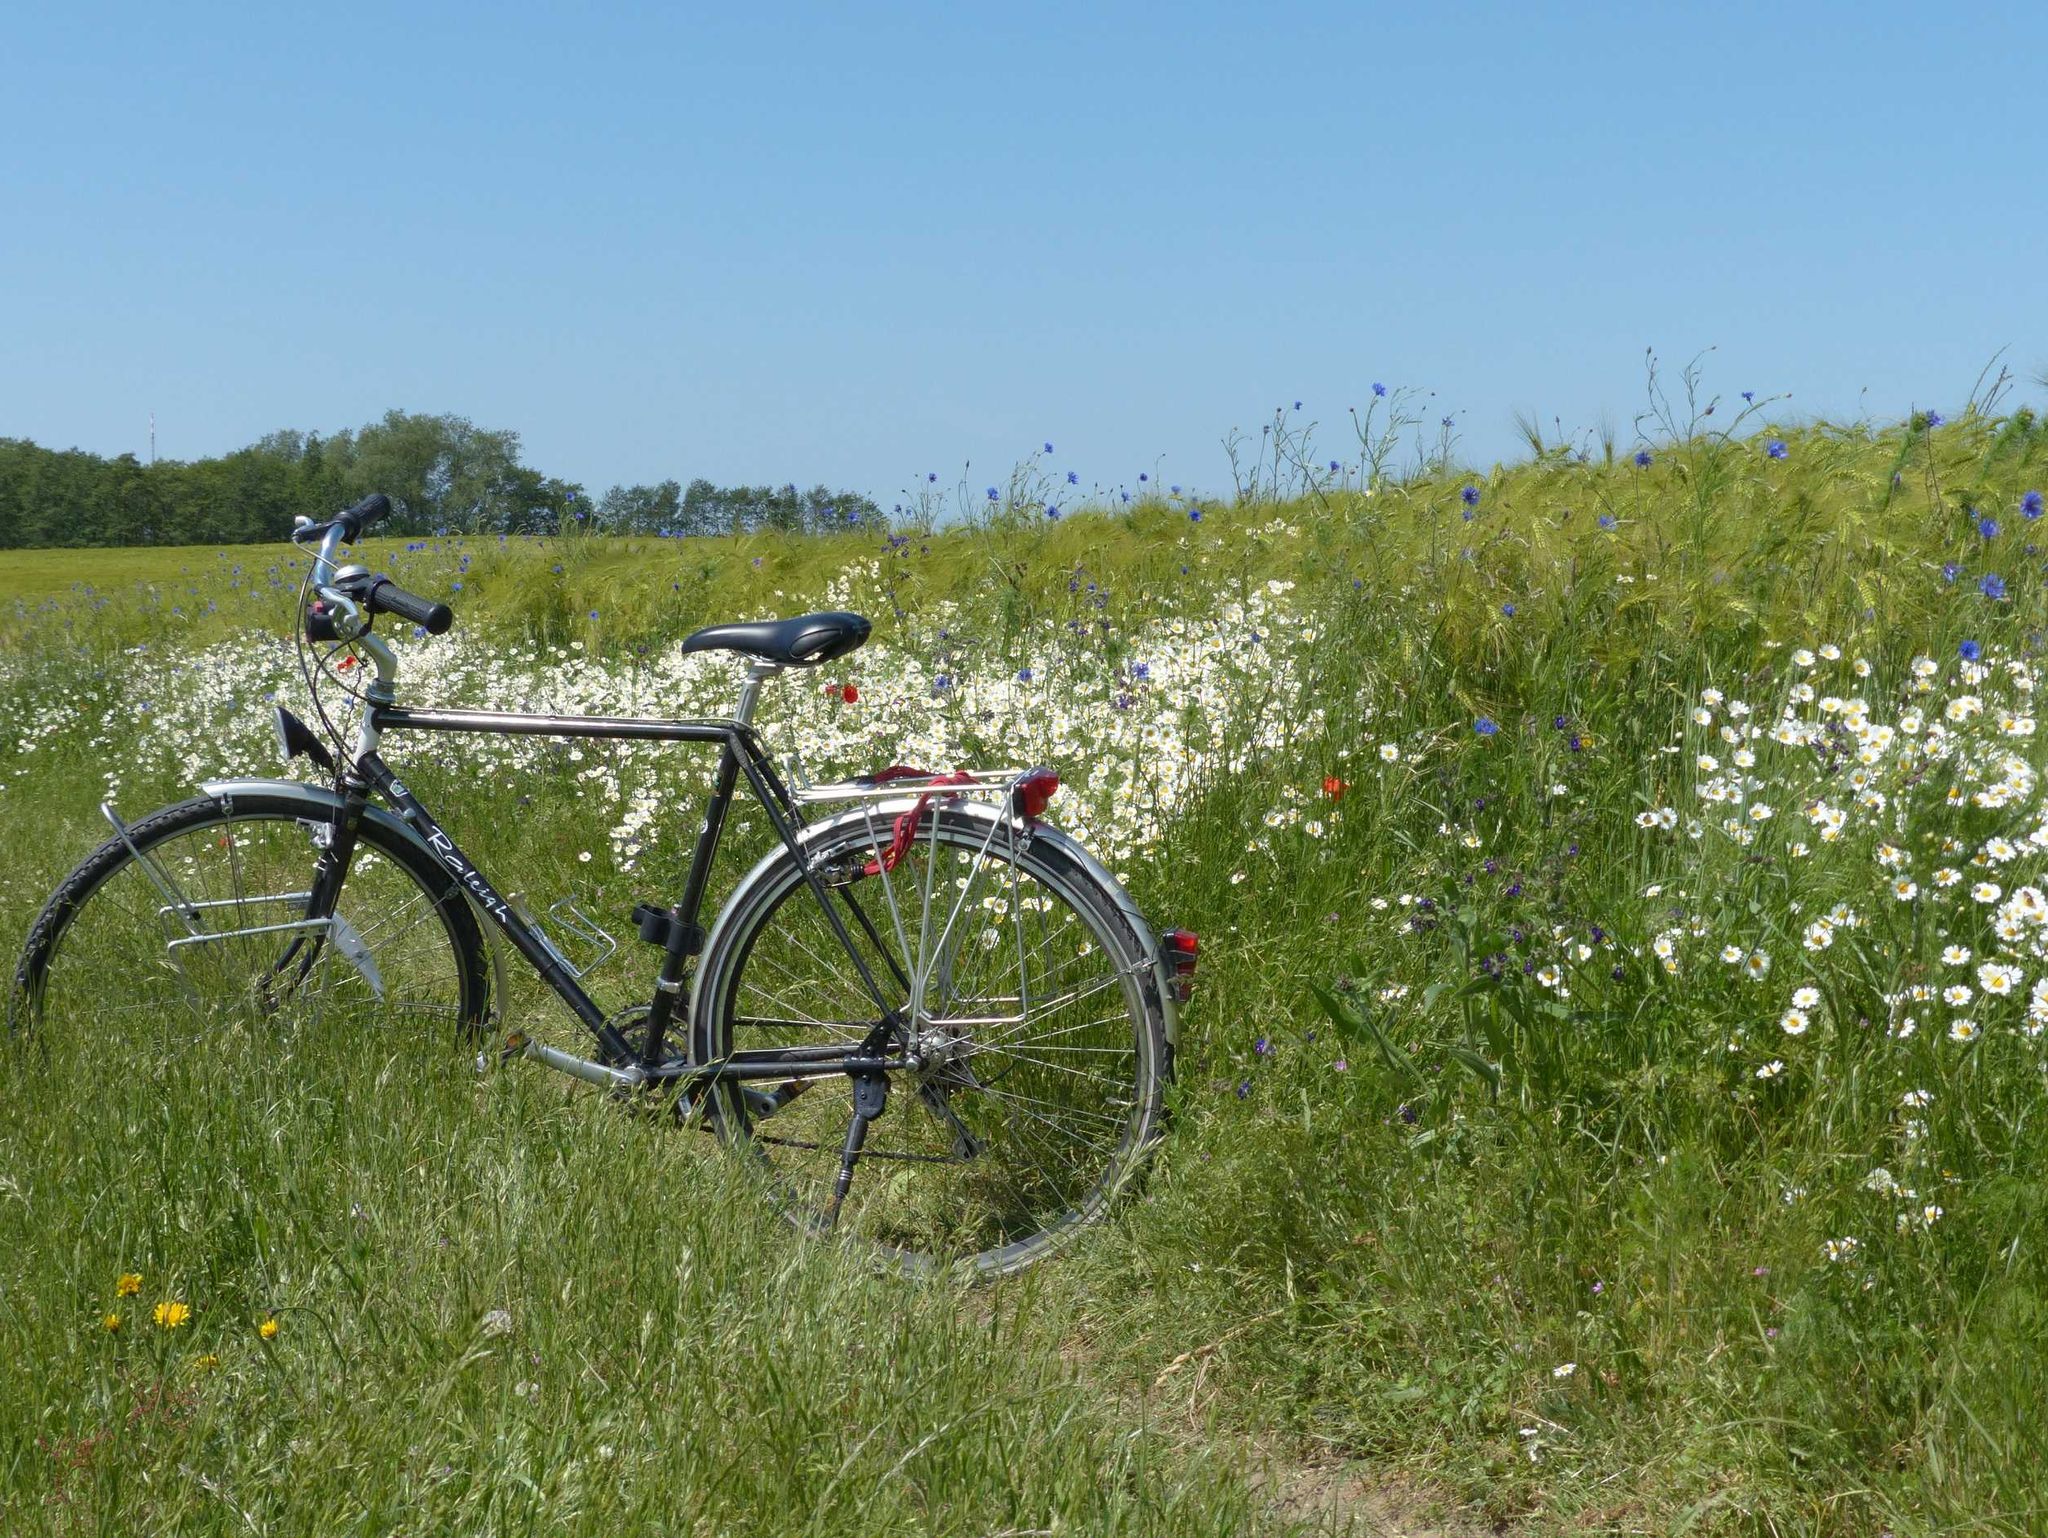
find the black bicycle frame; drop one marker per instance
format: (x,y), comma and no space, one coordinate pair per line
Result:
(740,753)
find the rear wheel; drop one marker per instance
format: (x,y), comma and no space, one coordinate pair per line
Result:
(203,923)
(1018,986)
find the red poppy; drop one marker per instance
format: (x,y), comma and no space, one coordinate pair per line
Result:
(1333,787)
(850,694)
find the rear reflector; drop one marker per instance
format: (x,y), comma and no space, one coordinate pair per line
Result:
(1034,789)
(1179,948)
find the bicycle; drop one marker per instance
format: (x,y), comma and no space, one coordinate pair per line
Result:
(918,940)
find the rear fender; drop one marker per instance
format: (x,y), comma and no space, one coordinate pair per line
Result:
(1031,833)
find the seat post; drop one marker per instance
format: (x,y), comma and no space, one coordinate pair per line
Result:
(757,674)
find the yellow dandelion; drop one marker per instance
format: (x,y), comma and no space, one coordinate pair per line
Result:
(268,1329)
(111,1323)
(171,1314)
(129,1284)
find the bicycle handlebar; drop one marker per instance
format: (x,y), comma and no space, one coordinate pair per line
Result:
(384,596)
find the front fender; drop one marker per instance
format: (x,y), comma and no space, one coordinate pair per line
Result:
(324,801)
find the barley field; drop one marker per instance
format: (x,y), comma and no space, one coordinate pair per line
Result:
(1610,1101)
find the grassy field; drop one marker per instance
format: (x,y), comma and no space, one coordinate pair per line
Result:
(1610,1103)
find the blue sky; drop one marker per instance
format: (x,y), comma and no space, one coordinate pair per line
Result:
(859,244)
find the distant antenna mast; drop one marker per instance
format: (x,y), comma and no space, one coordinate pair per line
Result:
(152,437)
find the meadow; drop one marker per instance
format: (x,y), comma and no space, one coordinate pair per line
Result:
(1608,1103)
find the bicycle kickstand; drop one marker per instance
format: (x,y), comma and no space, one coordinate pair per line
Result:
(870,1099)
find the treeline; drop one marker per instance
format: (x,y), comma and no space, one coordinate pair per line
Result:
(444,475)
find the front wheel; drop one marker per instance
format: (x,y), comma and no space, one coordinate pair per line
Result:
(199,919)
(1010,976)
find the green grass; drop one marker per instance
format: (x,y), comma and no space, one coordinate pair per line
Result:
(1386,1262)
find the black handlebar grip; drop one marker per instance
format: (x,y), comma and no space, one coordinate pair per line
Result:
(387,597)
(366,512)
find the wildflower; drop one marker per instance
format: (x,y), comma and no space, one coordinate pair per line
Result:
(1378,388)
(499,1321)
(1935,419)
(111,1323)
(1988,527)
(850,694)
(1508,609)
(268,1328)
(1993,586)
(171,1314)
(128,1285)
(1793,1022)
(1771,1070)
(1955,955)
(1469,496)
(1905,891)
(1996,979)
(1485,726)
(1605,520)
(1840,1250)
(1986,892)
(1564,1369)
(1956,995)
(1963,1030)
(1807,997)
(1389,753)
(1758,966)
(2030,505)
(1731,954)
(1776,448)
(1917,1099)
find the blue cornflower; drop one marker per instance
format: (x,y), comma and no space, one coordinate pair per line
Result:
(1950,571)
(1776,448)
(1048,448)
(1970,651)
(1262,1046)
(1378,388)
(1173,491)
(1334,467)
(1993,586)
(1141,671)
(1297,405)
(1750,396)
(1023,675)
(1486,726)
(1560,722)
(1073,479)
(1988,527)
(1194,515)
(1051,511)
(1935,419)
(2030,505)
(932,475)
(1606,520)
(941,684)
(1508,609)
(558,569)
(593,614)
(1448,422)
(994,495)
(1469,496)
(1642,459)
(1143,477)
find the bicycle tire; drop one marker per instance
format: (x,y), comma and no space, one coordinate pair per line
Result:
(944,1204)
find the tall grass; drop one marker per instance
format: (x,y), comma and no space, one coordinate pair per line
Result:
(1562,1253)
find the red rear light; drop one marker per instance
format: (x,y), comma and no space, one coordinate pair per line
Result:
(1179,948)
(1034,789)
